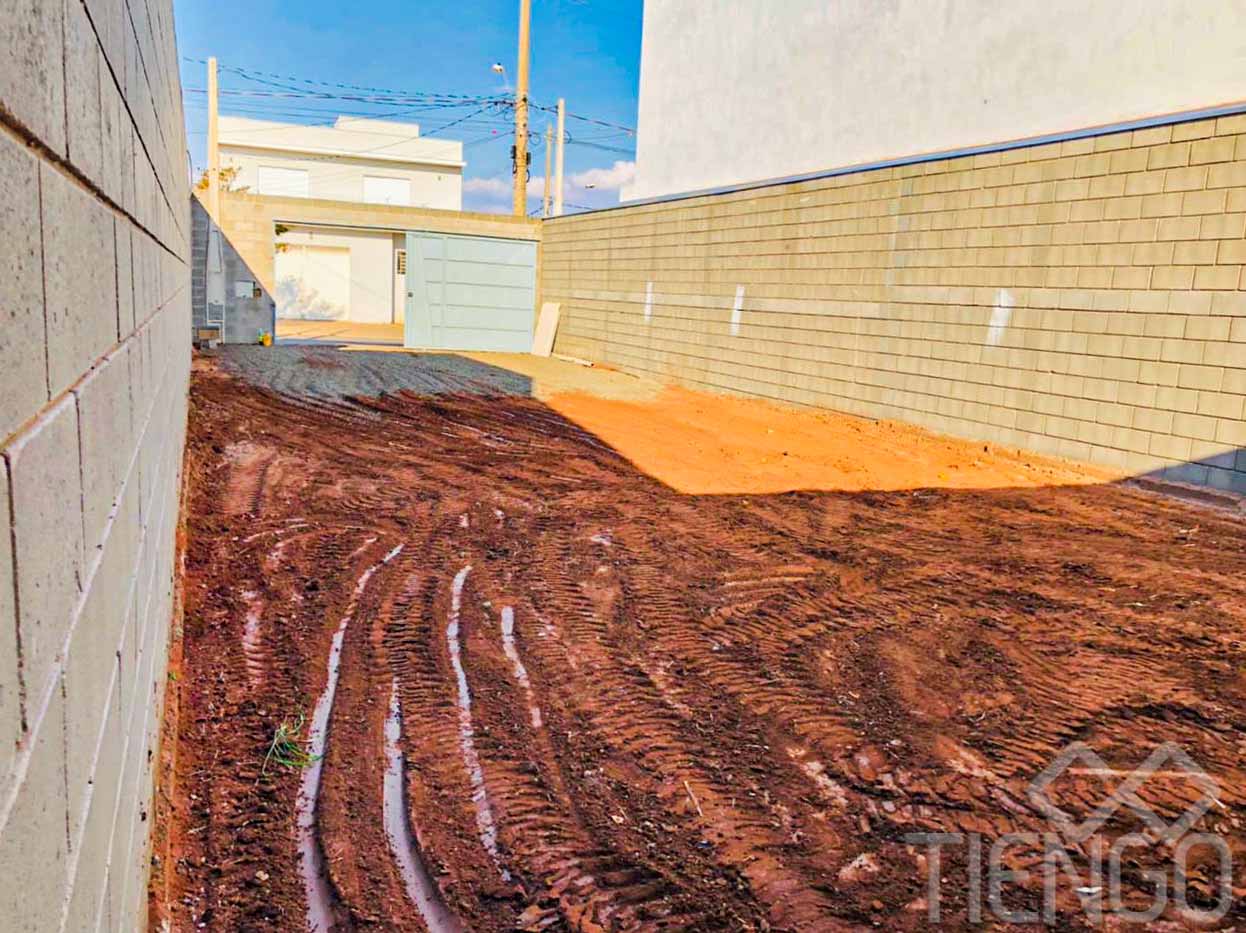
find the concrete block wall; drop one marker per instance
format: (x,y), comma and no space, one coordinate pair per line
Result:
(94,365)
(1082,298)
(216,268)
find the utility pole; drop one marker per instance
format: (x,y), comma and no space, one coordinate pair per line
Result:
(549,152)
(562,133)
(214,147)
(521,112)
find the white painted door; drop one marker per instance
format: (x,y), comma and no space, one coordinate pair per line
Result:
(313,282)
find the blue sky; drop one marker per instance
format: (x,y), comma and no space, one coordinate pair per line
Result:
(587,51)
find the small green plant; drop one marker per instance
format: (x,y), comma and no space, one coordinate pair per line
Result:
(288,750)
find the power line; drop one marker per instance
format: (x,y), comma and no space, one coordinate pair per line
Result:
(261,77)
(446,126)
(431,100)
(616,149)
(391,95)
(575,116)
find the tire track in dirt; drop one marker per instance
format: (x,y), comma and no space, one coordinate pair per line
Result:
(703,713)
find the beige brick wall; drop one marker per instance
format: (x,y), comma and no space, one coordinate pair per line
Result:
(1083,299)
(94,361)
(248,222)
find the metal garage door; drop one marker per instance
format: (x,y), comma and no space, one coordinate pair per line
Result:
(469,293)
(313,282)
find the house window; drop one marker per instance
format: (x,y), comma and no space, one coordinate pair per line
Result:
(380,190)
(286,182)
(400,262)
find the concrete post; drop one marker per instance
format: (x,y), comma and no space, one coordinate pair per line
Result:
(549,152)
(562,135)
(521,112)
(214,147)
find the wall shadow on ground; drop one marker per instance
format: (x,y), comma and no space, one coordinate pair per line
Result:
(700,443)
(1224,471)
(325,372)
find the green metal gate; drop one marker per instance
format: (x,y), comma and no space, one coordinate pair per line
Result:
(469,292)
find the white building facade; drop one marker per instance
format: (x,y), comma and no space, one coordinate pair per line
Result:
(362,160)
(335,273)
(742,91)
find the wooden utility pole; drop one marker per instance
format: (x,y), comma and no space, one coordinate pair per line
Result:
(521,112)
(549,152)
(562,121)
(214,146)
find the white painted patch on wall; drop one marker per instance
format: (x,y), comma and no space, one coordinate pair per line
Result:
(736,310)
(648,301)
(1000,318)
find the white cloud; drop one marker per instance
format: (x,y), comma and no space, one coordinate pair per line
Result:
(609,179)
(493,187)
(494,194)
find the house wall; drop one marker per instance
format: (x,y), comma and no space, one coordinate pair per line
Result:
(1083,299)
(371,285)
(94,364)
(840,84)
(336,178)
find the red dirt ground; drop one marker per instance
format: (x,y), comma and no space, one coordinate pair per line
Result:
(743,702)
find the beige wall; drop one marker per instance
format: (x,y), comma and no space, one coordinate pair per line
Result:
(1083,299)
(94,361)
(746,90)
(249,220)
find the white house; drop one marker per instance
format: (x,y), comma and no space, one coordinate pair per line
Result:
(740,91)
(326,272)
(356,159)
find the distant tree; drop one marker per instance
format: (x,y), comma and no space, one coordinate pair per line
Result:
(228,175)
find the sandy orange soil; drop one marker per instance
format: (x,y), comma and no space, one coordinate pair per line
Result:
(704,444)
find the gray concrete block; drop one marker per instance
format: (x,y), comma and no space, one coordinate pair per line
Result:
(85,140)
(105,429)
(33,844)
(131,647)
(113,121)
(127,884)
(125,280)
(108,17)
(1219,478)
(126,170)
(88,903)
(23,367)
(10,686)
(32,74)
(79,264)
(145,286)
(47,532)
(93,662)
(1195,473)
